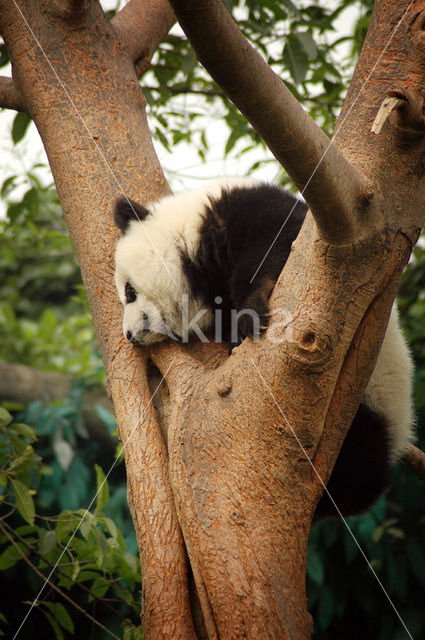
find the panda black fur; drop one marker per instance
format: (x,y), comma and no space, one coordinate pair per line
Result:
(206,245)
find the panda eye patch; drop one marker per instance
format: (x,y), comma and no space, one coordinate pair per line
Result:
(130,293)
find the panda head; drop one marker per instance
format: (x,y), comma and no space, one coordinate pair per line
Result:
(152,284)
(145,268)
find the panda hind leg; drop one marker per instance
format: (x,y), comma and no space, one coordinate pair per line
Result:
(362,472)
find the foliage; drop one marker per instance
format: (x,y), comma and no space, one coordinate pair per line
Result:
(345,597)
(299,42)
(43,308)
(36,255)
(81,553)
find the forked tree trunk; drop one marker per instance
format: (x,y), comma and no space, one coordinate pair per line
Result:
(235,491)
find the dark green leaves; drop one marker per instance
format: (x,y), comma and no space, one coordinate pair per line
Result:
(86,549)
(300,49)
(20,126)
(102,490)
(24,500)
(295,59)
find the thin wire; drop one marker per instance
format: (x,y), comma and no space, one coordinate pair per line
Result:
(98,148)
(137,425)
(335,134)
(331,498)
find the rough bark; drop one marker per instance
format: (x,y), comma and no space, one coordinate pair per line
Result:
(141,25)
(10,97)
(236,483)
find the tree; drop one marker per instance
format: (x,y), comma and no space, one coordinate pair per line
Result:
(200,506)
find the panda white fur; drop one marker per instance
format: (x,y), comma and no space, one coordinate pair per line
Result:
(184,256)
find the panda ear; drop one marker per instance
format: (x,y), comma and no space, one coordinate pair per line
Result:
(127,210)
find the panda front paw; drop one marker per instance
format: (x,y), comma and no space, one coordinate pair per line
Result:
(249,327)
(253,317)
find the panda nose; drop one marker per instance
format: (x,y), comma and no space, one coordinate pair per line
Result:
(129,336)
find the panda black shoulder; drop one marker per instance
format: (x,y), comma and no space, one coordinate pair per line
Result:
(258,224)
(242,223)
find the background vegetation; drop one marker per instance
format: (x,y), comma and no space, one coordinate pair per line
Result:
(52,469)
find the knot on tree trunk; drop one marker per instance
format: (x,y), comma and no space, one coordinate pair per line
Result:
(311,346)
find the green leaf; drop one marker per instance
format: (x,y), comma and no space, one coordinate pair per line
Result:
(125,595)
(23,430)
(189,62)
(20,126)
(64,618)
(11,555)
(149,97)
(24,461)
(66,524)
(10,318)
(8,185)
(63,452)
(102,488)
(86,523)
(232,139)
(308,44)
(162,139)
(111,527)
(56,628)
(76,568)
(366,526)
(47,541)
(331,532)
(100,586)
(101,548)
(24,500)
(61,615)
(396,532)
(290,5)
(295,59)
(88,575)
(5,418)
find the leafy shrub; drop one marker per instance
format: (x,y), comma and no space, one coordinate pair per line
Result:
(76,565)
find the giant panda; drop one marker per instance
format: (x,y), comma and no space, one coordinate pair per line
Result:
(186,256)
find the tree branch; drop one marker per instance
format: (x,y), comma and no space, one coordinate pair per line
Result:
(414,460)
(141,25)
(10,96)
(331,185)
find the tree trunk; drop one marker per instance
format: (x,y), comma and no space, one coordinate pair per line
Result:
(251,438)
